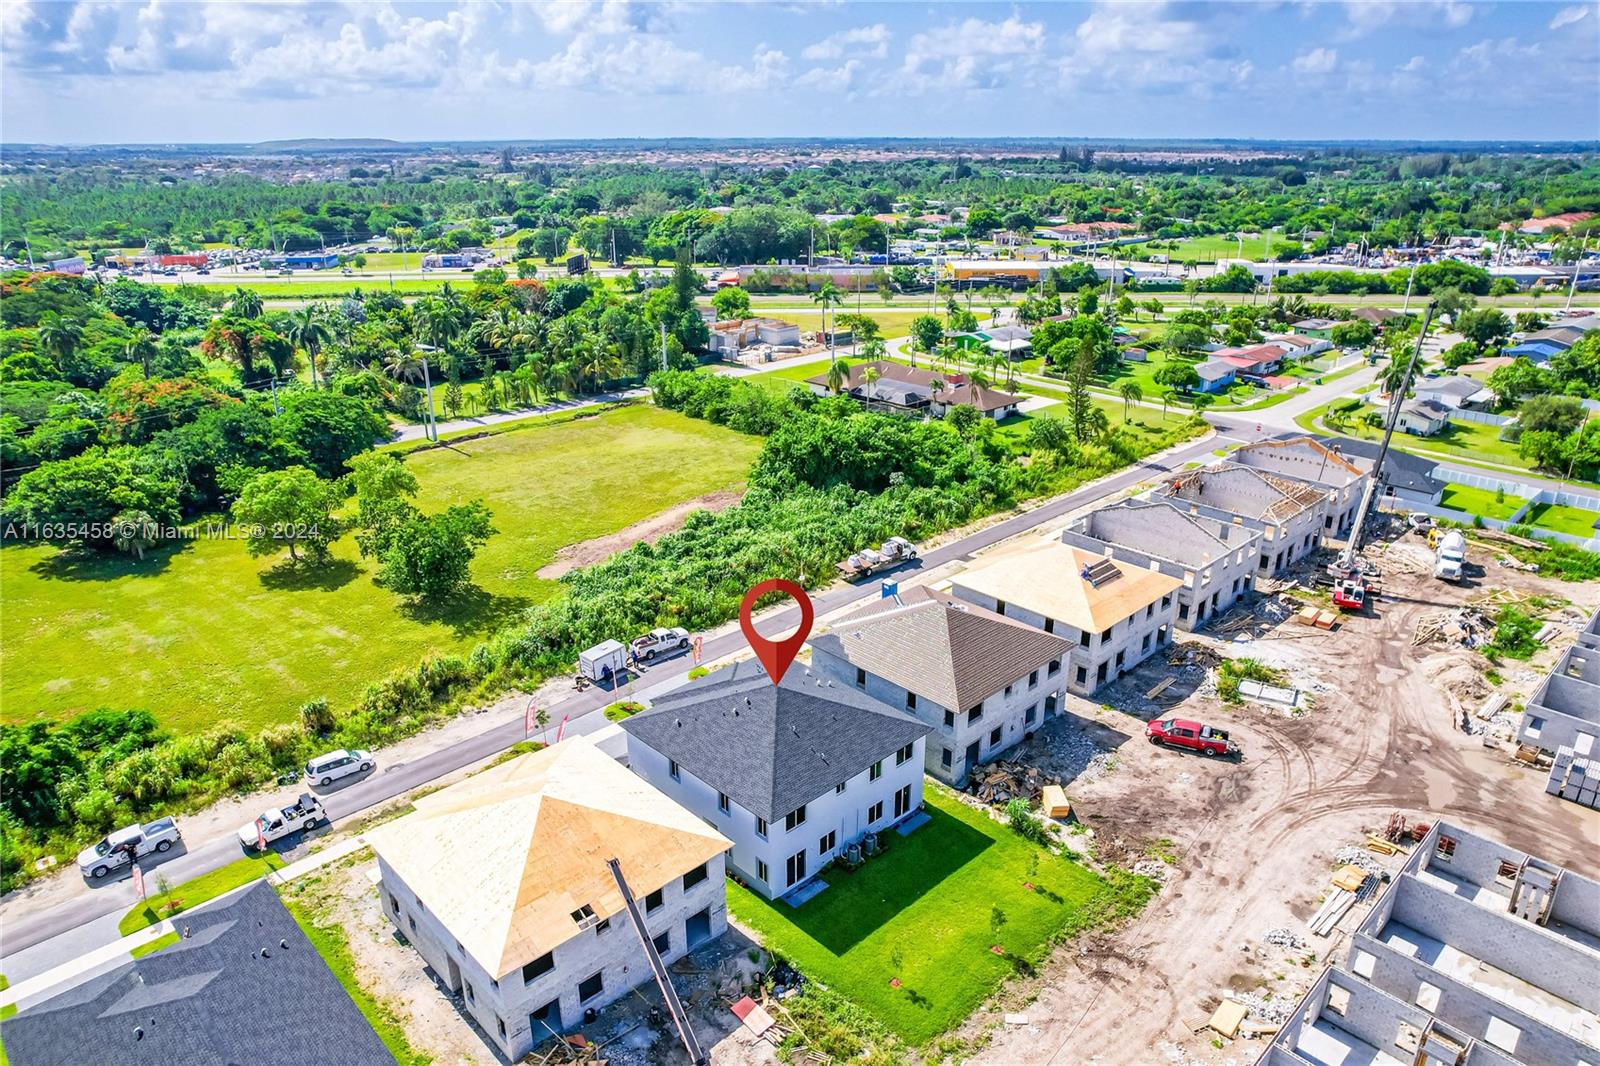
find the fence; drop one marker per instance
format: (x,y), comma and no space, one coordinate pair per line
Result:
(1531,495)
(1461,414)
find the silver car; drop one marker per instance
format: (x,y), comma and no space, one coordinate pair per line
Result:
(326,769)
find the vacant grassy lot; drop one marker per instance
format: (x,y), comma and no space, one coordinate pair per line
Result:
(1577,521)
(204,633)
(1210,249)
(1480,502)
(927,914)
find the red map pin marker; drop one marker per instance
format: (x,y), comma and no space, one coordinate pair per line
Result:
(776,655)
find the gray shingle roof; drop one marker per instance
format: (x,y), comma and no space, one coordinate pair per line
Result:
(1400,468)
(941,648)
(770,747)
(201,1002)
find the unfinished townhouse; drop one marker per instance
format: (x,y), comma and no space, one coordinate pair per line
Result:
(1344,478)
(1562,720)
(794,774)
(1215,560)
(501,883)
(1475,955)
(1287,513)
(1113,614)
(983,682)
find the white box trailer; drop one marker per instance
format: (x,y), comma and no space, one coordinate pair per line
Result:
(604,661)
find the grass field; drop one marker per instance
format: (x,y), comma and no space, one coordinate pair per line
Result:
(205,887)
(1577,521)
(927,913)
(204,633)
(1479,502)
(1210,249)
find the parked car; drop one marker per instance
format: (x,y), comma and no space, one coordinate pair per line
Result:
(127,844)
(326,769)
(304,813)
(1419,522)
(1182,733)
(660,642)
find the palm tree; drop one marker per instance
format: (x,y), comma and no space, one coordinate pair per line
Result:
(1131,394)
(828,297)
(870,375)
(308,332)
(1393,376)
(1166,398)
(246,302)
(838,374)
(59,336)
(402,364)
(137,349)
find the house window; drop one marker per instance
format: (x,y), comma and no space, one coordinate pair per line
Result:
(471,998)
(994,736)
(663,943)
(761,871)
(902,801)
(500,1025)
(1183,612)
(861,678)
(1362,963)
(838,790)
(722,802)
(1121,655)
(795,868)
(1032,715)
(1049,625)
(394,904)
(1083,675)
(903,756)
(652,902)
(1532,729)
(875,771)
(672,769)
(949,719)
(1145,644)
(827,843)
(1502,1034)
(538,967)
(602,926)
(1033,679)
(1055,668)
(1083,639)
(694,877)
(412,921)
(911,701)
(591,987)
(1150,610)
(944,758)
(999,606)
(1166,601)
(1007,692)
(874,812)
(584,916)
(1338,1000)
(975,714)
(761,828)
(1445,849)
(1427,996)
(1106,636)
(794,818)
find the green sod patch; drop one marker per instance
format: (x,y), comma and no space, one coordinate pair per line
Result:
(927,914)
(1576,521)
(166,940)
(1480,502)
(202,888)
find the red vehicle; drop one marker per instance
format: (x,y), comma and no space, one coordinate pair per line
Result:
(1182,733)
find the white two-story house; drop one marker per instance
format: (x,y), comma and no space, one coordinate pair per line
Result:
(791,773)
(983,682)
(501,883)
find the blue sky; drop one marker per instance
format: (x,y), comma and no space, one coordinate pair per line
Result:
(158,70)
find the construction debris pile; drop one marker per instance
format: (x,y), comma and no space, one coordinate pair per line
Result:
(1002,781)
(1283,938)
(1249,623)
(1466,627)
(1352,855)
(1265,1008)
(1154,869)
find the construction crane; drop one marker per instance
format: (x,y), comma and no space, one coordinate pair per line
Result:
(691,1043)
(1349,559)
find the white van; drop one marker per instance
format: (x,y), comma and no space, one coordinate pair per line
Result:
(326,769)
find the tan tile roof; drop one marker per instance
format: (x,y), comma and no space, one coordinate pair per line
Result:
(941,648)
(506,856)
(1046,578)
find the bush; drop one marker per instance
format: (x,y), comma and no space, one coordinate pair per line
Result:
(1514,635)
(316,719)
(1025,824)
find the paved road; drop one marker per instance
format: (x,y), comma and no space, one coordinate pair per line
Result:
(22,931)
(495,418)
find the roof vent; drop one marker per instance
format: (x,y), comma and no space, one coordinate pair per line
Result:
(138,1032)
(284,944)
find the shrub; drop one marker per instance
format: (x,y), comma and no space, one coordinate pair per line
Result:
(1024,823)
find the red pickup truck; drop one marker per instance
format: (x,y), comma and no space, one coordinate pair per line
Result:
(1182,733)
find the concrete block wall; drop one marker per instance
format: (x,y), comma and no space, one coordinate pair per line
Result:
(1577,903)
(1207,591)
(1475,860)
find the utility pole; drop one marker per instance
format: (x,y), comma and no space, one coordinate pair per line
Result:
(1577,266)
(1347,559)
(432,425)
(680,1018)
(277,408)
(1410,280)
(663,326)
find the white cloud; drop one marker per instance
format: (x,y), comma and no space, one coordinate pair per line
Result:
(866,41)
(1316,62)
(973,53)
(1159,47)
(1568,15)
(1366,16)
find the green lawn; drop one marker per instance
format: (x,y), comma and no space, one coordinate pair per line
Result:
(1577,521)
(166,940)
(1480,502)
(926,913)
(204,633)
(193,893)
(1210,249)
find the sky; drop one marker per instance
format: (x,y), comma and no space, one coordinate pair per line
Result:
(92,71)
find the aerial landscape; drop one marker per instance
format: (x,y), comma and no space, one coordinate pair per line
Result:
(670,533)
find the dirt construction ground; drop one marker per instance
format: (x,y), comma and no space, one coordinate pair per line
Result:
(1248,846)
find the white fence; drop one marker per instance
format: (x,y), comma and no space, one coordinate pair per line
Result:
(1461,414)
(1531,495)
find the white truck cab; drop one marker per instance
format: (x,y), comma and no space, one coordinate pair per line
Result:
(661,641)
(305,813)
(126,844)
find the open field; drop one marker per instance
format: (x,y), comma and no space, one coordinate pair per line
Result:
(1210,249)
(1577,521)
(927,913)
(203,633)
(1479,502)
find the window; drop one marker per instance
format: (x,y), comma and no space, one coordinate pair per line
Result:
(1055,668)
(1083,639)
(1183,612)
(722,802)
(412,921)
(838,790)
(1502,1034)
(994,736)
(761,871)
(861,678)
(794,818)
(1007,692)
(902,801)
(944,758)
(1535,724)
(1105,636)
(500,1025)
(911,701)
(1083,675)
(585,916)
(761,828)
(694,877)
(1033,679)
(1362,962)
(471,998)
(795,868)
(1338,1000)
(874,812)
(1032,715)
(949,719)
(1150,610)
(591,987)
(1506,874)
(999,606)
(827,843)
(1444,850)
(1049,625)
(875,771)
(975,714)
(1166,601)
(672,769)
(602,926)
(1145,644)
(663,943)
(394,904)
(1121,655)
(1427,996)
(903,756)
(653,901)
(538,967)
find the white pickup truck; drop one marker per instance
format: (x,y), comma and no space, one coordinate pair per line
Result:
(660,642)
(304,813)
(123,846)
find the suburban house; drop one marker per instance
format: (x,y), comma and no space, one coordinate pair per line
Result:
(1288,513)
(243,985)
(1476,954)
(1298,346)
(1453,391)
(1216,375)
(1379,317)
(1406,478)
(1216,561)
(1257,360)
(729,338)
(981,680)
(1315,464)
(1321,328)
(1540,345)
(914,391)
(1563,720)
(1013,342)
(792,773)
(1113,614)
(1422,418)
(501,883)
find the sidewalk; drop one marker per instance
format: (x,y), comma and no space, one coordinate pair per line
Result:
(495,418)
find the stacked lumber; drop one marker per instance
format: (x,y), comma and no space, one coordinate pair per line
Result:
(1465,626)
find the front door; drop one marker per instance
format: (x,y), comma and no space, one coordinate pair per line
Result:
(972,754)
(796,868)
(546,1021)
(697,929)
